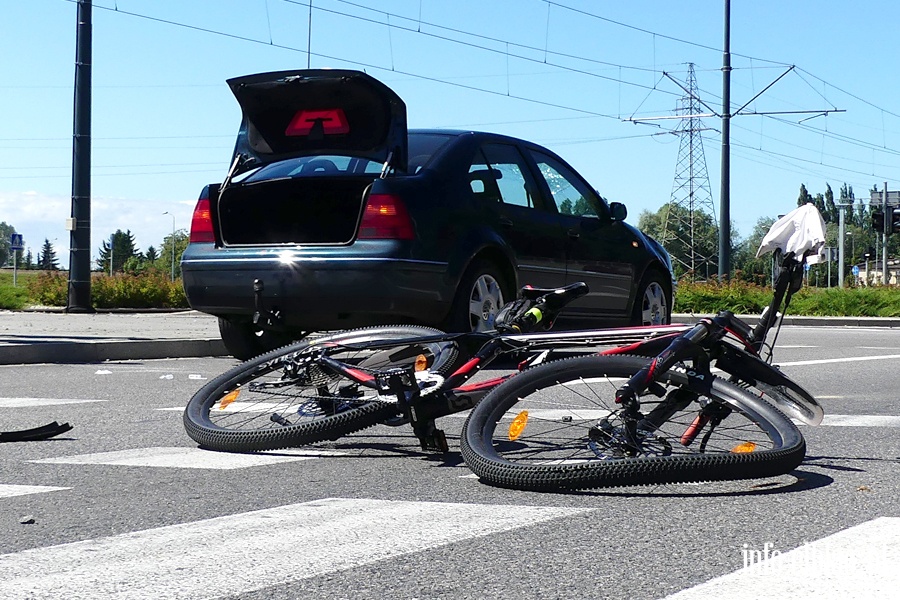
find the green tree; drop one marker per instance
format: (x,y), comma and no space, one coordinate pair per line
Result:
(698,248)
(831,210)
(164,262)
(120,248)
(47,257)
(151,255)
(747,266)
(804,197)
(6,232)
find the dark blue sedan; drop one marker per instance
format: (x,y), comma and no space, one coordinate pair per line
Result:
(334,215)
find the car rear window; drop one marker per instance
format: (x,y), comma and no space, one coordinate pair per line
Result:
(421,149)
(316,165)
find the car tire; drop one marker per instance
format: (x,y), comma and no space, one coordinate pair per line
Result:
(244,341)
(652,302)
(481,294)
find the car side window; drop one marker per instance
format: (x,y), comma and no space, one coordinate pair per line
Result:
(570,194)
(499,174)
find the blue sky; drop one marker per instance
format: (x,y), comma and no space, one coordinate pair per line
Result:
(566,73)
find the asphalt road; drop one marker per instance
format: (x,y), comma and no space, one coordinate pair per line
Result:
(126,506)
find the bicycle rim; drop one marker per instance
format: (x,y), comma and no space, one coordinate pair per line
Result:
(283,399)
(557,427)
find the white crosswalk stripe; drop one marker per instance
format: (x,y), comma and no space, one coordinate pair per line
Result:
(189,458)
(35,402)
(10,490)
(859,562)
(273,546)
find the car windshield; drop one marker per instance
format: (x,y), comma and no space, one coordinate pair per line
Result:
(421,148)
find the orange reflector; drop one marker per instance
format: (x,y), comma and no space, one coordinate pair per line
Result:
(518,425)
(745,448)
(421,362)
(228,399)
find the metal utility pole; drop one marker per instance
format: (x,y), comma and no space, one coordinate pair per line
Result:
(841,246)
(79,298)
(888,227)
(726,116)
(725,194)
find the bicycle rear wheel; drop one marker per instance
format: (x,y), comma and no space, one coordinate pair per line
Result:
(281,399)
(557,427)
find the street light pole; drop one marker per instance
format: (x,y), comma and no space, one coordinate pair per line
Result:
(173,243)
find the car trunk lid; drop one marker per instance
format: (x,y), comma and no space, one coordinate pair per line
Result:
(289,114)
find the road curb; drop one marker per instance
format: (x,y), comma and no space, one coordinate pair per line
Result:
(888,322)
(103,350)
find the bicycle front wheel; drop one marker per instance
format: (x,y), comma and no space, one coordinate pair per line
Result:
(283,399)
(557,427)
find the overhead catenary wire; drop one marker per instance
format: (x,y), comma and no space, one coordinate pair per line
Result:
(507,43)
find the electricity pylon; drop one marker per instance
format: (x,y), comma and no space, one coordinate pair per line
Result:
(691,196)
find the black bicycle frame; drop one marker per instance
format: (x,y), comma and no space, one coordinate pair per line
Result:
(665,345)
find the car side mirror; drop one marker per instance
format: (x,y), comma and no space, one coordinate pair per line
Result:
(617,211)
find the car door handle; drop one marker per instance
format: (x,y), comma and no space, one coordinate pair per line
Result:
(573,234)
(506,223)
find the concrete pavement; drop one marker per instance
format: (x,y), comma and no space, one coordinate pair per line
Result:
(52,336)
(57,337)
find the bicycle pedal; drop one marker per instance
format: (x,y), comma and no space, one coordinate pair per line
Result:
(436,441)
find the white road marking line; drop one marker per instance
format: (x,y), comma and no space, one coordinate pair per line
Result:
(189,458)
(859,562)
(31,402)
(795,346)
(9,490)
(861,421)
(826,361)
(233,555)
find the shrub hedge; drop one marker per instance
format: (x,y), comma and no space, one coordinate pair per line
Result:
(154,289)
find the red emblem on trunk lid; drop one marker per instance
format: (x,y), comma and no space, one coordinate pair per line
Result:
(332,122)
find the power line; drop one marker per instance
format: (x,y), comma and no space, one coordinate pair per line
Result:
(843,138)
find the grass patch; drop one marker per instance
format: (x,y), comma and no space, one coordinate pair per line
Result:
(13,298)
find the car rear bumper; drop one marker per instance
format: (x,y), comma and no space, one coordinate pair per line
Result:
(314,293)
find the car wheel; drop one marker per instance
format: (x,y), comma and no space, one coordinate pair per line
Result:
(651,304)
(479,297)
(244,341)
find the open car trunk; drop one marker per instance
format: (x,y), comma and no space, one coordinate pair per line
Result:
(314,210)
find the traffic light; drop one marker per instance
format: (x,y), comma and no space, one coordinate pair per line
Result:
(878,221)
(895,220)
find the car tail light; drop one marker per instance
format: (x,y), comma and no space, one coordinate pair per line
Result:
(385,217)
(201,223)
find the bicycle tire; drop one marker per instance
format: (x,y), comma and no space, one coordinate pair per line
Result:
(259,405)
(569,440)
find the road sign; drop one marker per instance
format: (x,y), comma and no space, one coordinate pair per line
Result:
(854,270)
(15,242)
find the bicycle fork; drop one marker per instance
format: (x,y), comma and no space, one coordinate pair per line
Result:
(637,425)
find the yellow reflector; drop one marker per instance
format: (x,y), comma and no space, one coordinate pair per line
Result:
(745,448)
(518,425)
(421,362)
(228,399)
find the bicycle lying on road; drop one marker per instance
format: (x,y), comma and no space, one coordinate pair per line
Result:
(646,409)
